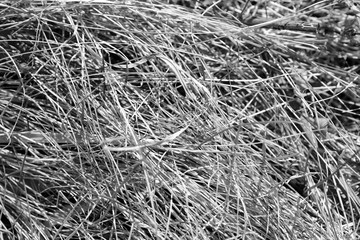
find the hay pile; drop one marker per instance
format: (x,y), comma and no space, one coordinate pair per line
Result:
(151,120)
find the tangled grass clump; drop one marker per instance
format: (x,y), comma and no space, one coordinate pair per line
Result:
(153,120)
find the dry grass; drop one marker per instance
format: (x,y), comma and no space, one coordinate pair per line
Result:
(149,120)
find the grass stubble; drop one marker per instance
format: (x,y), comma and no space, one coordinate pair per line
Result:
(150,120)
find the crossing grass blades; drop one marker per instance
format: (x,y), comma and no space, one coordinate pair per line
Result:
(179,120)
